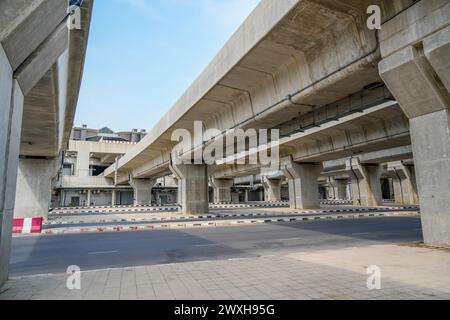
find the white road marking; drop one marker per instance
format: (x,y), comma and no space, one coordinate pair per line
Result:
(288,239)
(207,245)
(102,252)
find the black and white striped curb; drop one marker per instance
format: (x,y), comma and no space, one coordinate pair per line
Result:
(336,202)
(163,208)
(114,210)
(218,223)
(235,215)
(171,207)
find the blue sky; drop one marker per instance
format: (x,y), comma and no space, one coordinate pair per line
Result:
(143,54)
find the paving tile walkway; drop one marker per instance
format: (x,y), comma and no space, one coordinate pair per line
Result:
(407,272)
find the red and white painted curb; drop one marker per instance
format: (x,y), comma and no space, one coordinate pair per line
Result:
(27,225)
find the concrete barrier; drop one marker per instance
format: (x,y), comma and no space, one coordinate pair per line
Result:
(27,225)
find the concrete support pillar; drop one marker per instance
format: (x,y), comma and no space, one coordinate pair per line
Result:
(419,78)
(330,192)
(88,197)
(272,189)
(113,198)
(339,188)
(177,182)
(366,183)
(61,199)
(303,185)
(11,108)
(246,195)
(192,187)
(404,180)
(222,189)
(142,191)
(34,184)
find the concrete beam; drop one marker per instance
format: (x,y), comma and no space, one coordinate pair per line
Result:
(25,24)
(45,56)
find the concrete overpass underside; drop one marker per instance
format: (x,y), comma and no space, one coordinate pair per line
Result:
(312,70)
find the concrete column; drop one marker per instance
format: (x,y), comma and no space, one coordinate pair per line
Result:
(419,78)
(245,195)
(222,189)
(303,185)
(177,182)
(193,187)
(272,189)
(113,198)
(366,183)
(339,188)
(404,180)
(61,199)
(88,198)
(329,190)
(142,191)
(11,108)
(34,184)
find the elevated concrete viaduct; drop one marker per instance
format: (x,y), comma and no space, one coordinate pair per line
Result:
(41,65)
(313,70)
(286,47)
(337,91)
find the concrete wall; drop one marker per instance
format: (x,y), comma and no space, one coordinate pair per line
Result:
(104,198)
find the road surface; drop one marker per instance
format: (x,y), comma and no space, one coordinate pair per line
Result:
(53,254)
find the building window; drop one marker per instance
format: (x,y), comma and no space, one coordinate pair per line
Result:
(67,170)
(95,171)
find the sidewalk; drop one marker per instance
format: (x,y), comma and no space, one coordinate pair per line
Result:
(407,272)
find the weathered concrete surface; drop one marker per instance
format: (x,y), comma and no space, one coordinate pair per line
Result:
(142,190)
(34,181)
(26,24)
(366,185)
(34,92)
(272,189)
(431,142)
(11,108)
(222,189)
(192,187)
(339,187)
(285,48)
(405,186)
(416,47)
(303,185)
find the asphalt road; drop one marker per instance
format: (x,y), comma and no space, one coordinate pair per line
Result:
(53,254)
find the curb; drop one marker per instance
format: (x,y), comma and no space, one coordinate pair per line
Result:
(216,223)
(259,214)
